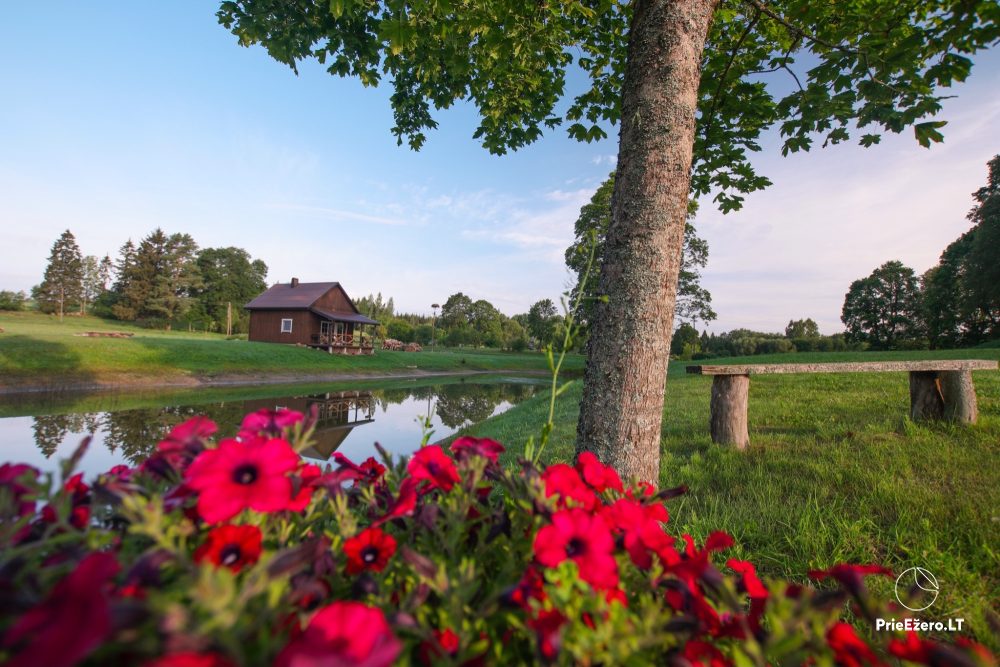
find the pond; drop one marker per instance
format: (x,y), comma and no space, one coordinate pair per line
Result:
(351,419)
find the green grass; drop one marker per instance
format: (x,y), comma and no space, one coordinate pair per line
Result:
(835,472)
(38,350)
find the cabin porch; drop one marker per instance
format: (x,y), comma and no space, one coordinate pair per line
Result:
(338,337)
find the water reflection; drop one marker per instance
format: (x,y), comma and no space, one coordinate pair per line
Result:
(349,421)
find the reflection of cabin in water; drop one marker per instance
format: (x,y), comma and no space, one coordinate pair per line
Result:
(319,315)
(337,412)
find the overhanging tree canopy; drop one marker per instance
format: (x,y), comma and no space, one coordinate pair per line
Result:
(688,82)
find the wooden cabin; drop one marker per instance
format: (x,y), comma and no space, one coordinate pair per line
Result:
(319,315)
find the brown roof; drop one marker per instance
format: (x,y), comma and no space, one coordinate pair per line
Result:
(283,295)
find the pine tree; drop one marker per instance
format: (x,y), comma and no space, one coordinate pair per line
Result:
(62,286)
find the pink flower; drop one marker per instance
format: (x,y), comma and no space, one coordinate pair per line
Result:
(430,464)
(344,634)
(184,442)
(73,621)
(583,538)
(269,423)
(564,482)
(596,474)
(467,446)
(242,475)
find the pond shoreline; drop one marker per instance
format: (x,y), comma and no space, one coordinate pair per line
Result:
(237,380)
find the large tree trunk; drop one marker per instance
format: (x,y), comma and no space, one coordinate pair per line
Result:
(622,408)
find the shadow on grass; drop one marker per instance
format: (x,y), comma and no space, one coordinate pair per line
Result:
(39,365)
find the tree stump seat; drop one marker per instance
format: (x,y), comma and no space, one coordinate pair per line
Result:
(938,390)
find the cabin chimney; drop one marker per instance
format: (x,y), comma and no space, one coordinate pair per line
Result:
(295,283)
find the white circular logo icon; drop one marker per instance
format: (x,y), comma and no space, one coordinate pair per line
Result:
(918,587)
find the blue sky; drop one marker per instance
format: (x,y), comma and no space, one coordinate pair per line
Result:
(121,117)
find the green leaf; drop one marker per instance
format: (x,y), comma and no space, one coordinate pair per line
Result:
(928,132)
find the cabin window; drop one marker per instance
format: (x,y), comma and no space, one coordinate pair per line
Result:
(286,326)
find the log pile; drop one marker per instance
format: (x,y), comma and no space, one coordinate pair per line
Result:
(106,334)
(398,345)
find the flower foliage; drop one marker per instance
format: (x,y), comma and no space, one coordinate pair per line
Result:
(240,553)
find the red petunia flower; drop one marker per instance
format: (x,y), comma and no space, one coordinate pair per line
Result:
(851,577)
(369,550)
(344,634)
(467,446)
(445,643)
(583,538)
(430,464)
(642,528)
(751,582)
(242,475)
(234,547)
(700,654)
(548,629)
(596,474)
(404,504)
(849,650)
(369,472)
(77,488)
(16,479)
(305,480)
(190,660)
(565,483)
(372,469)
(73,621)
(184,442)
(269,423)
(531,587)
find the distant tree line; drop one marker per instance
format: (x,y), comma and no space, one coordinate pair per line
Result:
(799,336)
(463,322)
(163,281)
(954,304)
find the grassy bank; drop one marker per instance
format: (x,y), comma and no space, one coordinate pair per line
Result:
(39,351)
(835,472)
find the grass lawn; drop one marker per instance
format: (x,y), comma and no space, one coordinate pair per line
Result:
(37,349)
(835,472)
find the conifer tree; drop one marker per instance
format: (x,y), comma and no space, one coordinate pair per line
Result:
(62,286)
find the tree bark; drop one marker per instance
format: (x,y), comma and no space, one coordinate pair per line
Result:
(959,396)
(622,408)
(926,402)
(730,396)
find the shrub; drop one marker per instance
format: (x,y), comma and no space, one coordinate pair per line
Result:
(12,300)
(400,330)
(241,553)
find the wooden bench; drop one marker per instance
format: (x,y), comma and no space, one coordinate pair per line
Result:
(938,390)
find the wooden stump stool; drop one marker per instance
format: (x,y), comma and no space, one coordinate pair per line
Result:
(926,401)
(959,396)
(730,395)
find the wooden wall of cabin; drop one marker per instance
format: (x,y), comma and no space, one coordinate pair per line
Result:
(335,300)
(265,326)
